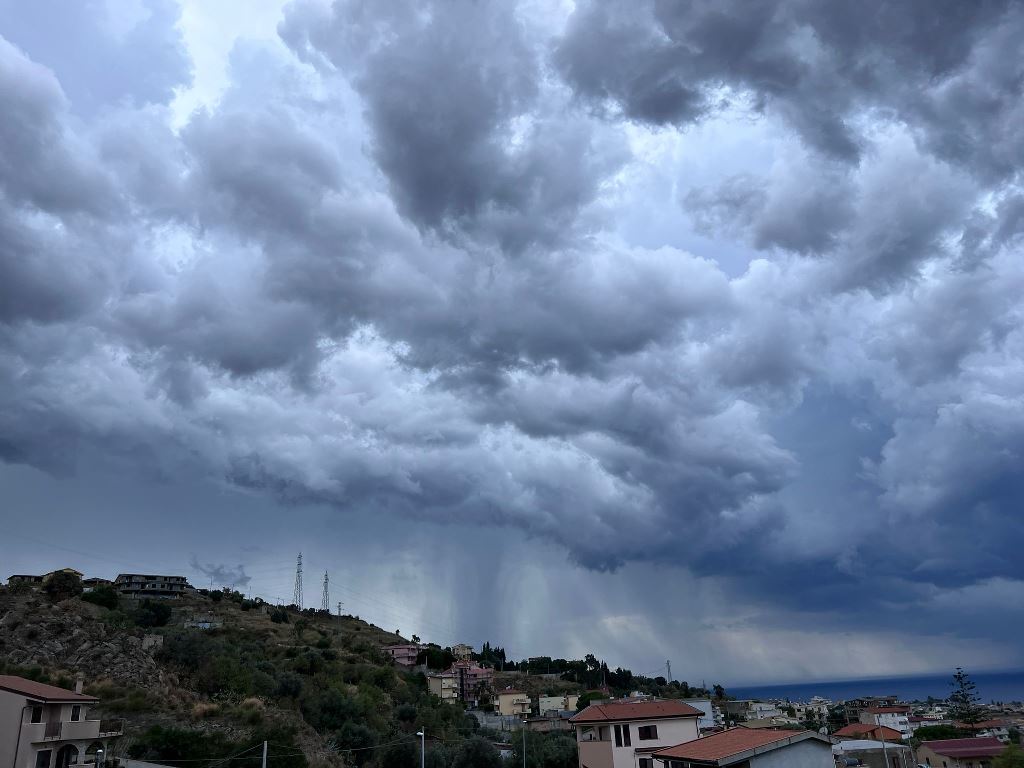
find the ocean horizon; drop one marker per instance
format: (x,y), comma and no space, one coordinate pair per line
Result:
(992,686)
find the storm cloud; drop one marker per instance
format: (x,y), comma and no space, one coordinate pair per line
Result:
(723,288)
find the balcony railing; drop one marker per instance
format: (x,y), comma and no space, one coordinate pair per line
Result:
(111,727)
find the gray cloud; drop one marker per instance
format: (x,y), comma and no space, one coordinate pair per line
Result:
(386,274)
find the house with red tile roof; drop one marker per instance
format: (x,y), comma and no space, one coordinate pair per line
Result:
(43,726)
(624,733)
(895,717)
(868,731)
(976,752)
(746,748)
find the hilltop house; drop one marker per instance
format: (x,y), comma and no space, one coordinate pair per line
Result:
(747,748)
(145,585)
(43,726)
(566,703)
(37,581)
(625,733)
(403,654)
(976,752)
(471,680)
(462,651)
(895,717)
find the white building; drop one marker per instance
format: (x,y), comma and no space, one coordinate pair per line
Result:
(746,748)
(707,718)
(897,718)
(624,733)
(564,703)
(42,726)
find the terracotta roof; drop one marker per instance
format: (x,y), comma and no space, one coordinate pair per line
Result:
(617,711)
(978,746)
(876,731)
(735,741)
(33,690)
(886,710)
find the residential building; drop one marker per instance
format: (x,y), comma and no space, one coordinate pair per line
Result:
(784,723)
(445,686)
(976,752)
(746,748)
(147,585)
(43,726)
(868,731)
(403,654)
(462,651)
(472,680)
(512,702)
(853,707)
(895,717)
(874,753)
(1000,729)
(24,578)
(707,718)
(565,703)
(93,581)
(72,571)
(624,733)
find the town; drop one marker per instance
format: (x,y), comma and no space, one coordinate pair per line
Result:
(600,718)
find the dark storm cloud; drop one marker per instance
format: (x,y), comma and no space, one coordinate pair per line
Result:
(385,273)
(221,575)
(952,70)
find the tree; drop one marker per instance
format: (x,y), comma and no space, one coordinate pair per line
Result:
(1012,757)
(476,752)
(151,614)
(63,585)
(719,691)
(963,701)
(936,733)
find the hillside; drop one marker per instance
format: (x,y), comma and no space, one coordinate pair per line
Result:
(317,686)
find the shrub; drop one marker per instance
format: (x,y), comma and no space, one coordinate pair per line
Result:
(152,614)
(105,597)
(279,616)
(63,585)
(203,710)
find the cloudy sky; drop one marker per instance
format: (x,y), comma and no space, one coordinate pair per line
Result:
(661,330)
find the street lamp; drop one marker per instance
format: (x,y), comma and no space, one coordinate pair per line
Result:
(422,733)
(524,744)
(99,757)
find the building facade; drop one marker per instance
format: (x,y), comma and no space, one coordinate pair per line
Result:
(472,680)
(874,753)
(42,726)
(566,703)
(512,703)
(625,733)
(138,585)
(977,752)
(445,686)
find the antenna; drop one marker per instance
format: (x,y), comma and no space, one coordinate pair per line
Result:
(297,599)
(325,602)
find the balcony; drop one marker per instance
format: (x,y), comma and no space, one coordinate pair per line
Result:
(56,730)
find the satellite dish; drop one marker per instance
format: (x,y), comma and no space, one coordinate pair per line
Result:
(823,731)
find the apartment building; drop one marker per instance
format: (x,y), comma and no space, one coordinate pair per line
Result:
(445,686)
(43,726)
(138,585)
(625,733)
(511,702)
(472,680)
(566,703)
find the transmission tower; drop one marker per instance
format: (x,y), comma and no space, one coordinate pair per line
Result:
(297,599)
(325,602)
(339,608)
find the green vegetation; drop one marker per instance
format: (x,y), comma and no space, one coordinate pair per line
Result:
(936,732)
(62,585)
(964,702)
(105,597)
(1013,757)
(160,742)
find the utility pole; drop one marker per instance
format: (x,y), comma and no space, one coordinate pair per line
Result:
(668,665)
(264,754)
(325,602)
(339,607)
(297,597)
(524,744)
(422,733)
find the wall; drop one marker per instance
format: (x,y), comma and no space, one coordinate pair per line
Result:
(10,724)
(805,754)
(670,733)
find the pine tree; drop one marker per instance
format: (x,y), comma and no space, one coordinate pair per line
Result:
(963,701)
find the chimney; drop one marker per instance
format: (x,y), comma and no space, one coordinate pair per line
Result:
(79,682)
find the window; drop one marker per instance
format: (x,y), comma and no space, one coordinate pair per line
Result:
(647,732)
(625,735)
(43,758)
(618,735)
(76,713)
(37,715)
(646,762)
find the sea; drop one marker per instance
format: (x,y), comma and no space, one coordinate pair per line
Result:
(992,686)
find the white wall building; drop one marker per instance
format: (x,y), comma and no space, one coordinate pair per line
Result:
(42,726)
(625,733)
(897,718)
